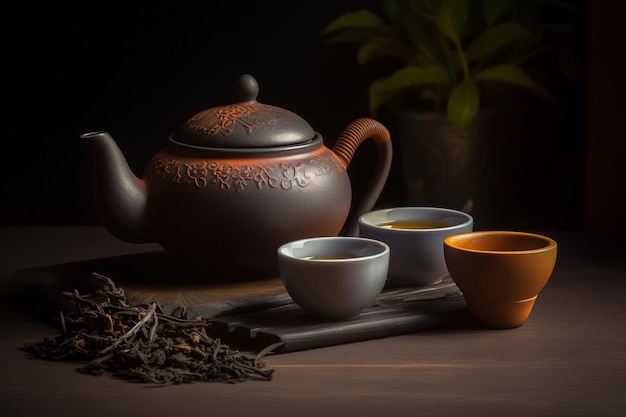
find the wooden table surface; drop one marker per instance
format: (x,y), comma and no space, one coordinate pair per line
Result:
(568,359)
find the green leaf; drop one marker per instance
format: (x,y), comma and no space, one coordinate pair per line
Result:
(494,10)
(379,47)
(514,75)
(451,17)
(382,90)
(463,104)
(358,19)
(495,38)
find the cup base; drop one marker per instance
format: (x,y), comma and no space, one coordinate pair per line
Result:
(501,315)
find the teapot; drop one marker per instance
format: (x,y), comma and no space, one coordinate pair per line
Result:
(235,182)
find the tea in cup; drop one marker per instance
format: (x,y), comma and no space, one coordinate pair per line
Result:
(334,278)
(415,236)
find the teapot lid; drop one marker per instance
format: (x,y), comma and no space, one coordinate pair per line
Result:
(244,124)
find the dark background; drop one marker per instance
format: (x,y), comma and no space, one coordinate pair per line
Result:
(138,70)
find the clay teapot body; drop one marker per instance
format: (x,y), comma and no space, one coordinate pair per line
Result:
(236,182)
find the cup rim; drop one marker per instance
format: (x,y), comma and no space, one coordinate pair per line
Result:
(459,241)
(469,220)
(283,249)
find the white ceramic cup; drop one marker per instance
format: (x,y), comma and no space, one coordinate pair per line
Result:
(334,277)
(417,257)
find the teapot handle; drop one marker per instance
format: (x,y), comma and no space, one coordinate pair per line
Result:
(344,148)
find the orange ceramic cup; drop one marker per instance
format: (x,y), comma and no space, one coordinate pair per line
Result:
(500,273)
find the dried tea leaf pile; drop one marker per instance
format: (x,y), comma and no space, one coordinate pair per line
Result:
(142,344)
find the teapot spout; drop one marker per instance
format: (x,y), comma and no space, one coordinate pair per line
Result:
(121,198)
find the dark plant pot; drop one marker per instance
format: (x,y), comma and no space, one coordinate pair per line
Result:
(478,171)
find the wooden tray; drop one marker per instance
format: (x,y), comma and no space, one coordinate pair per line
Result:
(250,315)
(289,328)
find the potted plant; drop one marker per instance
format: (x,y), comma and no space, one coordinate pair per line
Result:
(450,75)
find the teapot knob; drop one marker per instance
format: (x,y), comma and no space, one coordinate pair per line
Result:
(246,89)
